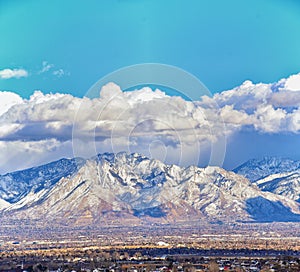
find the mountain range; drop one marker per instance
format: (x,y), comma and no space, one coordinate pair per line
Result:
(280,176)
(131,188)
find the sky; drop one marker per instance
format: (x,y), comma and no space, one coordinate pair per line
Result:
(53,52)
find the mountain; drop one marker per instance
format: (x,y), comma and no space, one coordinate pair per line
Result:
(131,188)
(14,186)
(286,184)
(277,175)
(3,204)
(256,169)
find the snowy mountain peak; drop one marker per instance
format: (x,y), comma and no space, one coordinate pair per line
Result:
(256,169)
(120,157)
(272,174)
(133,188)
(15,185)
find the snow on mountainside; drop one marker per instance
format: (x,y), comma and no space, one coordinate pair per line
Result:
(276,175)
(3,204)
(14,186)
(130,187)
(286,184)
(256,169)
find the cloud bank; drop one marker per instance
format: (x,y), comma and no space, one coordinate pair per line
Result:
(48,126)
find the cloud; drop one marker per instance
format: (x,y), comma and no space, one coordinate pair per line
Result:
(268,119)
(285,99)
(267,108)
(24,154)
(292,83)
(12,73)
(7,100)
(59,73)
(115,121)
(45,67)
(50,68)
(145,120)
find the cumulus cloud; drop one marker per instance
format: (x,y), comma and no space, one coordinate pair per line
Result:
(13,73)
(292,83)
(7,100)
(268,119)
(268,108)
(145,120)
(22,154)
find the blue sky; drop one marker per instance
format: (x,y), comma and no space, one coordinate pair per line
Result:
(64,47)
(222,43)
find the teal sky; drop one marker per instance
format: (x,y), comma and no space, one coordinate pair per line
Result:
(221,42)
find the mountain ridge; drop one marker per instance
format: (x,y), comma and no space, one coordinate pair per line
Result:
(131,188)
(273,174)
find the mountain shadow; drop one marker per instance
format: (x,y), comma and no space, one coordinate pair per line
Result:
(156,212)
(264,210)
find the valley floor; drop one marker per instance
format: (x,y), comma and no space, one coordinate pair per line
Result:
(140,259)
(29,246)
(22,236)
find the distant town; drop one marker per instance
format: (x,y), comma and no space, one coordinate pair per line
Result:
(214,247)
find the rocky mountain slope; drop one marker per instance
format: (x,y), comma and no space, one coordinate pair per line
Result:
(130,188)
(14,186)
(277,175)
(256,169)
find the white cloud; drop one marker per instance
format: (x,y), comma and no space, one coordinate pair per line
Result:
(269,119)
(135,121)
(234,117)
(24,154)
(50,68)
(115,121)
(13,73)
(60,73)
(8,129)
(7,100)
(45,67)
(267,108)
(292,83)
(294,120)
(285,99)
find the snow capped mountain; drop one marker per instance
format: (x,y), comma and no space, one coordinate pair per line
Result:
(14,186)
(276,175)
(287,184)
(130,188)
(3,204)
(256,169)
